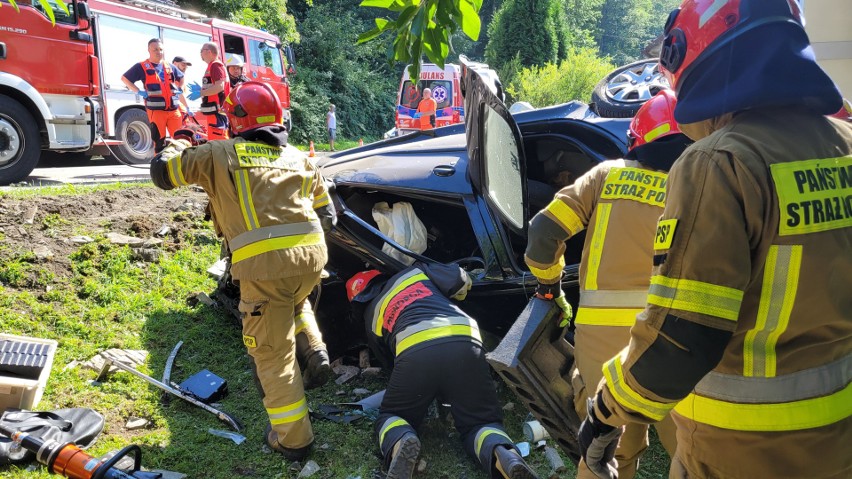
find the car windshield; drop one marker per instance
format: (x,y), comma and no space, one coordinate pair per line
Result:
(442,92)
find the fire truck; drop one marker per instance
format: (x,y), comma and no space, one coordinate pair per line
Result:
(60,84)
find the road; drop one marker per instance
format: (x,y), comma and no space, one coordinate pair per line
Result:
(98,170)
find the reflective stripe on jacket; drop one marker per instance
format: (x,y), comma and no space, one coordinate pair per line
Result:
(162,94)
(211,104)
(618,202)
(262,199)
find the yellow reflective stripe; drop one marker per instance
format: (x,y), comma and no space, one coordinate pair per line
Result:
(241,179)
(565,216)
(273,244)
(627,397)
(695,296)
(780,283)
(656,132)
(607,316)
(289,413)
(306,184)
(435,333)
(321,201)
(303,320)
(789,416)
(377,323)
(176,171)
(388,427)
(485,432)
(552,273)
(596,246)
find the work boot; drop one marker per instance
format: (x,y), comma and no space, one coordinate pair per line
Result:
(509,464)
(317,370)
(297,454)
(404,457)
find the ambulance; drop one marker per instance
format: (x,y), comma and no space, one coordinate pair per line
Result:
(444,84)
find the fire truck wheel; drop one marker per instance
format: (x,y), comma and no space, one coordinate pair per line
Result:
(20,144)
(133,130)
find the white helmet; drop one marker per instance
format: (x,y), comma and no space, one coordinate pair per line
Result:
(234,60)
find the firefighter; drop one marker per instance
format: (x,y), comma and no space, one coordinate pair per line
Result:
(436,350)
(619,201)
(234,63)
(163,88)
(271,205)
(214,89)
(746,338)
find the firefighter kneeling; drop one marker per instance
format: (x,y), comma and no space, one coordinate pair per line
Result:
(438,352)
(271,205)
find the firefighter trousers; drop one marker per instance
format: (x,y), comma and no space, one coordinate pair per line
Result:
(269,333)
(217,126)
(308,336)
(163,122)
(456,373)
(594,345)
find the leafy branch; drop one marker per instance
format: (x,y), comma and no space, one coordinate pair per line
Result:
(423,27)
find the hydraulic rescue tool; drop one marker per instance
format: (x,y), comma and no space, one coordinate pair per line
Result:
(68,460)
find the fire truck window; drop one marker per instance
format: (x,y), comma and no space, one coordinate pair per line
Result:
(59,14)
(234,44)
(266,56)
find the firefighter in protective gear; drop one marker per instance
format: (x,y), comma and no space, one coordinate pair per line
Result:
(619,201)
(163,89)
(271,206)
(436,350)
(746,339)
(234,63)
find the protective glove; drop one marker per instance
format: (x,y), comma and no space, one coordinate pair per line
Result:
(194,91)
(143,94)
(175,148)
(461,294)
(598,442)
(417,115)
(553,292)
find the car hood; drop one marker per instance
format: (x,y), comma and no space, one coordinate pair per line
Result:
(438,165)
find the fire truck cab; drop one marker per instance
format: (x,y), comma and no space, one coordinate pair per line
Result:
(60,84)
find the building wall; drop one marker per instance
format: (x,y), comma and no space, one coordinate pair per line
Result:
(829,26)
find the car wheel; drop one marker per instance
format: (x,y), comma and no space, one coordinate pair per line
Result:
(134,131)
(625,89)
(20,145)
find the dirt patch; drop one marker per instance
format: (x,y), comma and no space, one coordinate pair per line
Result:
(59,220)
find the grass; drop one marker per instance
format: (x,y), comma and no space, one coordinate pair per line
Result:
(114,301)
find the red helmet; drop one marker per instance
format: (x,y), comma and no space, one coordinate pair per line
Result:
(654,120)
(358,283)
(251,105)
(700,27)
(845,112)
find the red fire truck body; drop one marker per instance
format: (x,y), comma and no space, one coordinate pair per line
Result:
(61,88)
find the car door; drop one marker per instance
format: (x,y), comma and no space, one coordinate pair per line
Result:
(497,163)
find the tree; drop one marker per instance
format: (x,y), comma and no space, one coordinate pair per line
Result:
(626,26)
(269,15)
(572,79)
(534,31)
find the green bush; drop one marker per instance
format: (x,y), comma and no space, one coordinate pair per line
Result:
(534,31)
(573,79)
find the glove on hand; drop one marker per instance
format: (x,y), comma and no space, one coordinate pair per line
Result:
(553,292)
(598,442)
(461,294)
(194,91)
(417,115)
(143,94)
(174,149)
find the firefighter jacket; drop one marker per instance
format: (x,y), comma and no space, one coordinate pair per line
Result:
(263,200)
(212,103)
(619,201)
(162,94)
(412,310)
(747,334)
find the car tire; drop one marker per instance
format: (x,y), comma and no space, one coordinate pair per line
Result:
(20,142)
(134,131)
(624,90)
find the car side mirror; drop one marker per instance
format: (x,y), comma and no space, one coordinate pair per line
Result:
(83,11)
